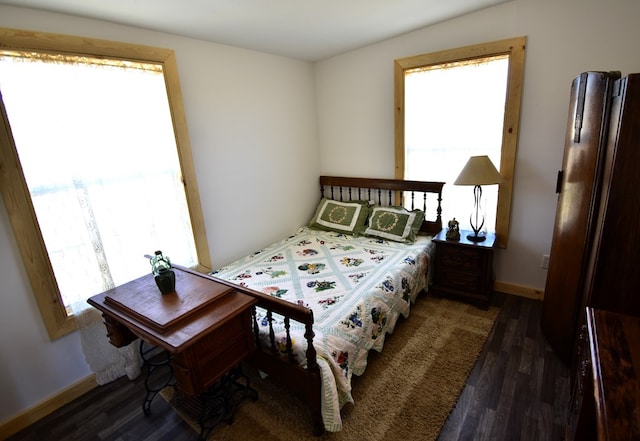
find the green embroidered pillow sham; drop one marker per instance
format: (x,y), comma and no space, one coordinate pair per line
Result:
(344,217)
(394,223)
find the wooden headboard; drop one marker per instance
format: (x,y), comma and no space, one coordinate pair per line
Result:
(424,195)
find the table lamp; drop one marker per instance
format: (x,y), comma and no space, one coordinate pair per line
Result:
(479,170)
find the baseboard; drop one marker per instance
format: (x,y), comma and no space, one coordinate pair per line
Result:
(27,417)
(518,290)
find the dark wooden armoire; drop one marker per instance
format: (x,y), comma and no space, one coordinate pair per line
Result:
(578,186)
(595,252)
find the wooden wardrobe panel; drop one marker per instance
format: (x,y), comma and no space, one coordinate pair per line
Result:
(614,273)
(579,184)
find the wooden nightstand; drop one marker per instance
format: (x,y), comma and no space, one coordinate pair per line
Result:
(464,269)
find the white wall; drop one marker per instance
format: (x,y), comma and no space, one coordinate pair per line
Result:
(253,132)
(565,37)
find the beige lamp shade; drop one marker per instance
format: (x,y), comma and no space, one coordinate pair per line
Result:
(479,170)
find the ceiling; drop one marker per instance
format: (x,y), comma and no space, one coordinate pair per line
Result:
(303,29)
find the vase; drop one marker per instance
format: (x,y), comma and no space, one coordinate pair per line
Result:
(162,273)
(166,281)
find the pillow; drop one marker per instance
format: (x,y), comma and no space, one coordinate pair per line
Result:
(343,217)
(394,223)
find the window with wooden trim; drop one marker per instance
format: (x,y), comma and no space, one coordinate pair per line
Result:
(95,166)
(457,103)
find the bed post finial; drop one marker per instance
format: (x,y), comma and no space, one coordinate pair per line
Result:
(439,209)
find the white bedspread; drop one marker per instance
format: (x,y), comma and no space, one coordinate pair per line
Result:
(356,286)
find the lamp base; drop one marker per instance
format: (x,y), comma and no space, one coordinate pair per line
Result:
(476,238)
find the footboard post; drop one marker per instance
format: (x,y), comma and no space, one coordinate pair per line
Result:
(314,392)
(287,371)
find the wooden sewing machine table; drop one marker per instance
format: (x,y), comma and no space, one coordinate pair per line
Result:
(204,326)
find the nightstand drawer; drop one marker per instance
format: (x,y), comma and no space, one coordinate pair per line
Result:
(463,281)
(463,258)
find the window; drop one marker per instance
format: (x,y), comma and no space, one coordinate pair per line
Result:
(106,175)
(458,103)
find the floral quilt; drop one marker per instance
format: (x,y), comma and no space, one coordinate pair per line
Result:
(357,288)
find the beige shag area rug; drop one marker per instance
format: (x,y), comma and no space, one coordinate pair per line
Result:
(406,392)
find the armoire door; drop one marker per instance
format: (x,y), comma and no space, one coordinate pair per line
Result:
(613,281)
(578,188)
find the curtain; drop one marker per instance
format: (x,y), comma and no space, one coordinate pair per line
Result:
(105,360)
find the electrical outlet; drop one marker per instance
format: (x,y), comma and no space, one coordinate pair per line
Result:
(544,264)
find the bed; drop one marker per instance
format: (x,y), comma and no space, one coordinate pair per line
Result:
(330,292)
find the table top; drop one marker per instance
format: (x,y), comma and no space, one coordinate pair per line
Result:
(615,359)
(142,299)
(177,320)
(489,242)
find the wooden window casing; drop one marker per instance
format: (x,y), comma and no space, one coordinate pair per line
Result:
(16,193)
(515,49)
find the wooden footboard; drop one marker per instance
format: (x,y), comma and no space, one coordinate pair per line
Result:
(281,365)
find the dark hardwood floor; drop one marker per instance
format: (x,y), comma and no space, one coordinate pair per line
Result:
(518,390)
